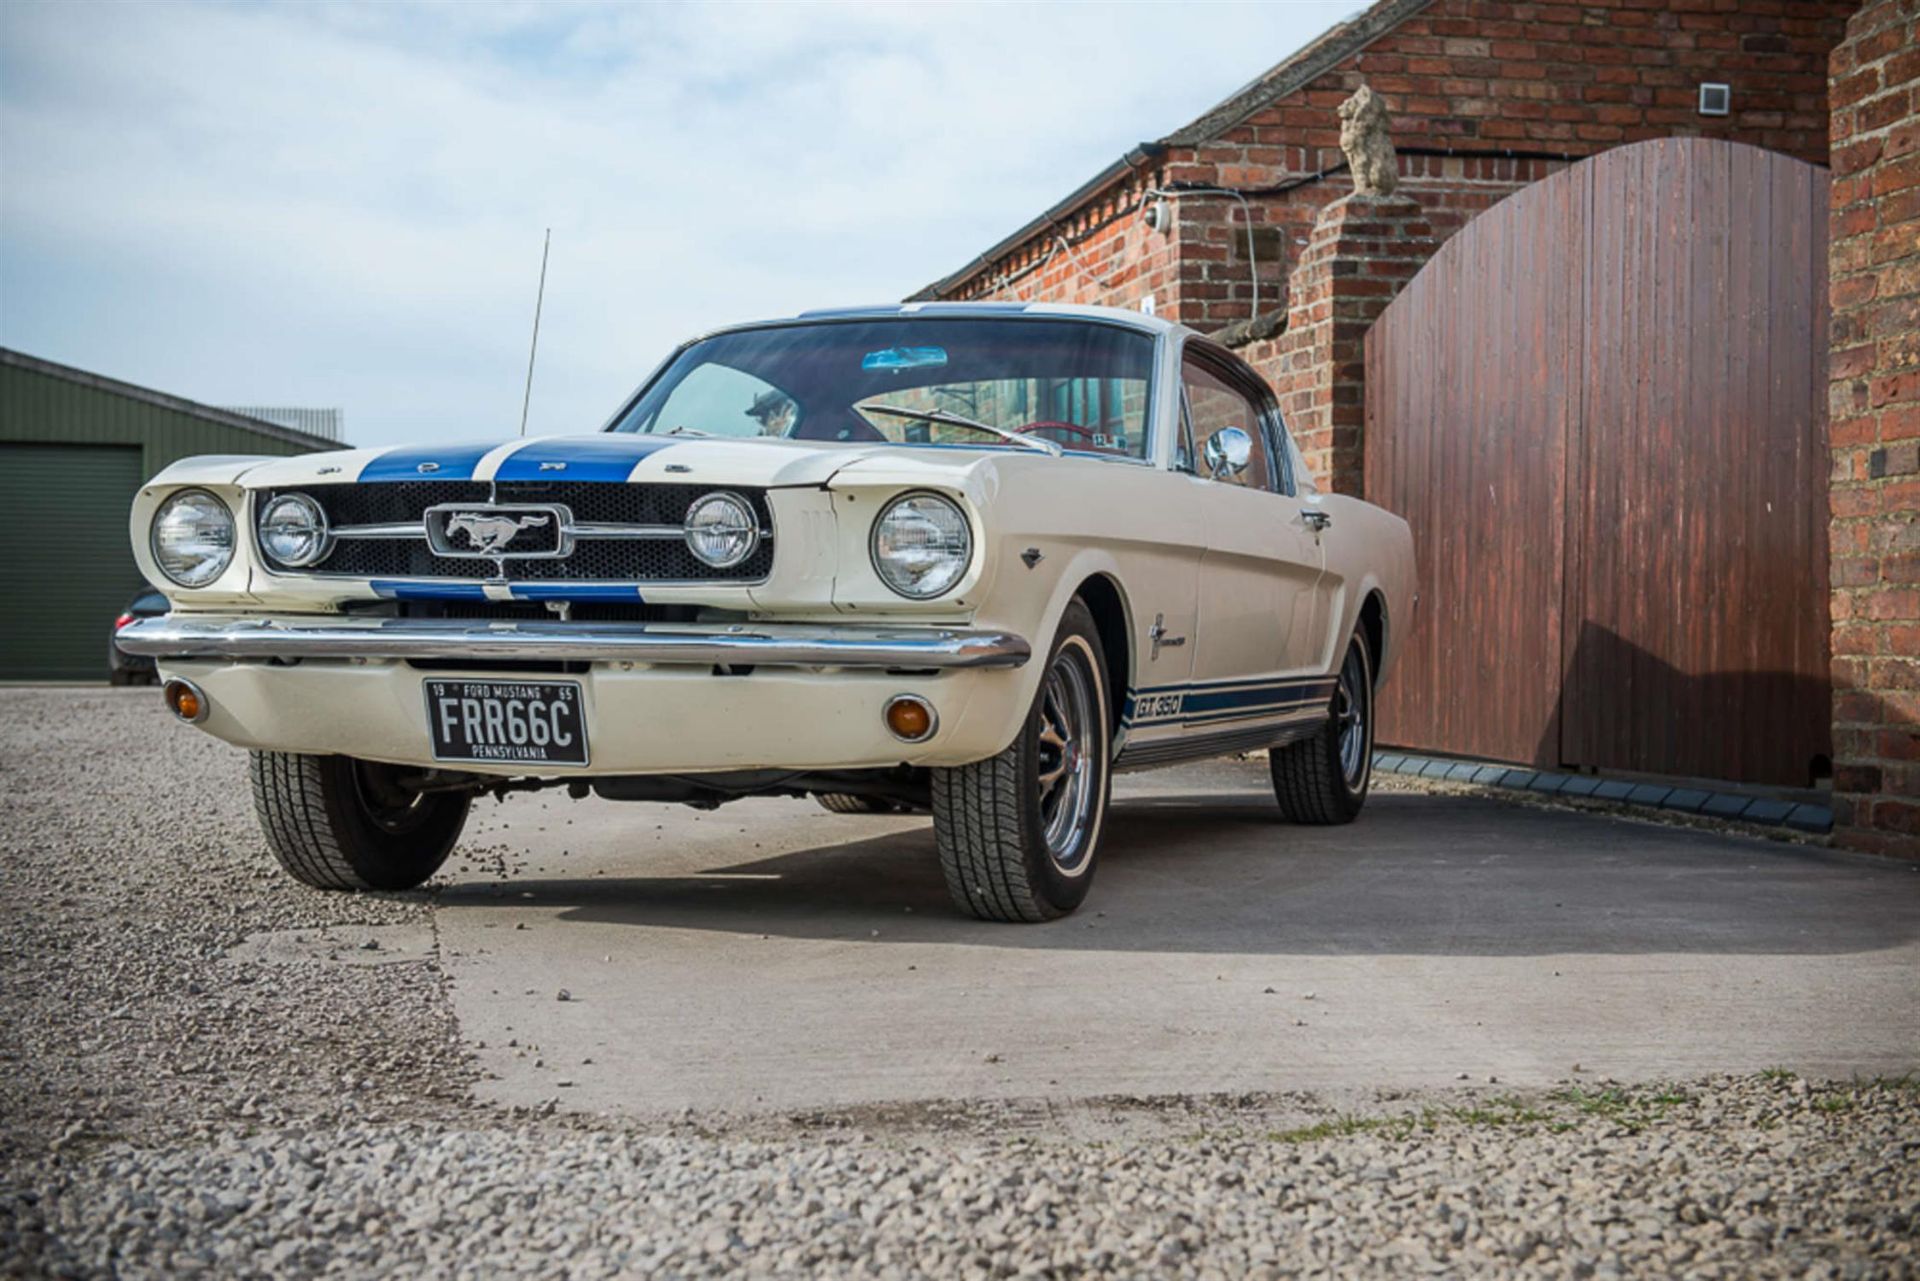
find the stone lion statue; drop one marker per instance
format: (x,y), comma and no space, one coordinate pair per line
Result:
(1363,136)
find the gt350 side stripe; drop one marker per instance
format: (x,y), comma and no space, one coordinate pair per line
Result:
(1211,702)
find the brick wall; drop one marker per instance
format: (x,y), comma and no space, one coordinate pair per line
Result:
(1557,81)
(1104,255)
(1363,251)
(1874,278)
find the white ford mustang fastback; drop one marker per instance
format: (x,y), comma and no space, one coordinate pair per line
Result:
(966,558)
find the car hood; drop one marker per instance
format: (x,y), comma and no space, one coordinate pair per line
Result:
(607,457)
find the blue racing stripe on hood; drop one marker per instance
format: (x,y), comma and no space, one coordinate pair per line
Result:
(610,456)
(427,462)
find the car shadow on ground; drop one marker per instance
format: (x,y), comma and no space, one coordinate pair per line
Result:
(1418,874)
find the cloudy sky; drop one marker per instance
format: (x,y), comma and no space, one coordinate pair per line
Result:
(342,204)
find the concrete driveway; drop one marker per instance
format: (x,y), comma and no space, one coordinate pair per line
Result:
(773,956)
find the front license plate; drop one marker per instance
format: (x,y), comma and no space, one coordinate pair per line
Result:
(507,722)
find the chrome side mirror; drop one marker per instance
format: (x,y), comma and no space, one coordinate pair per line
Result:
(1229,450)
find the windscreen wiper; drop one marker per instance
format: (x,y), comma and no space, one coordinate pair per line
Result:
(944,418)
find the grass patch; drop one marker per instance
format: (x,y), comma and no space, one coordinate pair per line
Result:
(1777,1074)
(1494,1113)
(1338,1127)
(1498,1115)
(1633,1110)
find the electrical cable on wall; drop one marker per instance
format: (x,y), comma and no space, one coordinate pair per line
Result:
(1081,264)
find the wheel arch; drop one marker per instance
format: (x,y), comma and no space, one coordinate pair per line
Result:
(1106,600)
(1373,624)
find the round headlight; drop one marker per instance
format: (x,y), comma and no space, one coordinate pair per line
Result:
(192,538)
(293,531)
(921,545)
(722,530)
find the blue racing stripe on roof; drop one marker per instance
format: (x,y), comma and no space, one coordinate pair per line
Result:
(427,591)
(427,462)
(576,591)
(610,456)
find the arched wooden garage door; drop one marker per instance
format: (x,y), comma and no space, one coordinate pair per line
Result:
(1602,408)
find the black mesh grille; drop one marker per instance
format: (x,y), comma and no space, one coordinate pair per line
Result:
(384,504)
(593,559)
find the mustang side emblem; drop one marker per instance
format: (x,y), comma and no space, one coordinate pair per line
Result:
(1158,635)
(491,533)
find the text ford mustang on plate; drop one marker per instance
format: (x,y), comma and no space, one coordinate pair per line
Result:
(965,558)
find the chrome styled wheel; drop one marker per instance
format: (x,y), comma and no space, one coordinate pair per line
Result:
(1066,785)
(1350,714)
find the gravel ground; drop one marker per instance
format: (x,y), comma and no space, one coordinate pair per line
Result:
(175,1100)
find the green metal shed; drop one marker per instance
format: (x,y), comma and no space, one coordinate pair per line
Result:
(74,447)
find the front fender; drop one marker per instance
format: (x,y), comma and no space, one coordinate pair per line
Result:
(1032,601)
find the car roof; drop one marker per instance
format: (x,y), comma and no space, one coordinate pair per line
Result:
(1138,320)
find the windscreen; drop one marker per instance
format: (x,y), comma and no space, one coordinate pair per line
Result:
(912,381)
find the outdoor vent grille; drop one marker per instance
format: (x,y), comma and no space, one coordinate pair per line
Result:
(663,560)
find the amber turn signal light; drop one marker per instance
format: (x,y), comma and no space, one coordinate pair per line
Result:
(910,718)
(185,700)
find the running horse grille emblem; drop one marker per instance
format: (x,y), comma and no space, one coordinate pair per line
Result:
(496,532)
(489,534)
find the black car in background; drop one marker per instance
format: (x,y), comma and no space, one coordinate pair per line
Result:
(132,669)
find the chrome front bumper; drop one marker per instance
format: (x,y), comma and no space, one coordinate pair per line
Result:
(762,645)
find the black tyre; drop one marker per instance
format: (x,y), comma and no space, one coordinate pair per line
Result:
(337,823)
(1018,832)
(1324,779)
(841,803)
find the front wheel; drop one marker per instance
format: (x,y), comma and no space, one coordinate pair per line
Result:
(336,823)
(1018,832)
(1323,780)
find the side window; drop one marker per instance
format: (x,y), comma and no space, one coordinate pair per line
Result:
(1215,405)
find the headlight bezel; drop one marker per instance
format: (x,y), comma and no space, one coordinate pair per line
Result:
(224,562)
(323,532)
(750,526)
(963,561)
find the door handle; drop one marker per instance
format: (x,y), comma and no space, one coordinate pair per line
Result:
(1316,520)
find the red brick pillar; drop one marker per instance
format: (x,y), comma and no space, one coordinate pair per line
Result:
(1874,396)
(1363,250)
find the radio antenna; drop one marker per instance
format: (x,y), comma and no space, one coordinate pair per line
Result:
(534,350)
